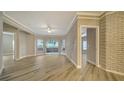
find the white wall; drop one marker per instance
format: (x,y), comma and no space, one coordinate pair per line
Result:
(26,44)
(71,44)
(8,44)
(1,33)
(30,44)
(23,44)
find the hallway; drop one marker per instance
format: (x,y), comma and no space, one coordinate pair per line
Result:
(53,67)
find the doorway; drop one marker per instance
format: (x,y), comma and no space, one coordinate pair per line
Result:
(8,48)
(63,46)
(84,45)
(89,45)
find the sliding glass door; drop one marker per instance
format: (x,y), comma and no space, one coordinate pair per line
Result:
(52,46)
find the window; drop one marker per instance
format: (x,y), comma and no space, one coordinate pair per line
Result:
(52,44)
(40,45)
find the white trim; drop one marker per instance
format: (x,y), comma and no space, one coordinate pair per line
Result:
(17,24)
(107,13)
(24,57)
(97,42)
(90,26)
(112,71)
(81,17)
(107,70)
(90,61)
(115,72)
(89,13)
(1,70)
(71,60)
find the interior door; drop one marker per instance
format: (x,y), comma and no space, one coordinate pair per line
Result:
(91,42)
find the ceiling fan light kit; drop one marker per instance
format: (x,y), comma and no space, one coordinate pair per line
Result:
(49,30)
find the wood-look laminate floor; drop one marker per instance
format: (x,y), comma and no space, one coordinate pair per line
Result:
(8,60)
(53,67)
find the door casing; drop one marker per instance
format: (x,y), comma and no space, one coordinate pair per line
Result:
(97,44)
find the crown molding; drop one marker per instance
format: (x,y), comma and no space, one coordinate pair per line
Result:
(90,13)
(15,23)
(88,17)
(107,13)
(77,16)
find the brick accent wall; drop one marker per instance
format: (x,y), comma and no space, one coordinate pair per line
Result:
(102,42)
(115,42)
(112,42)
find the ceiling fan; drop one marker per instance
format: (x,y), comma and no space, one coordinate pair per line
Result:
(48,29)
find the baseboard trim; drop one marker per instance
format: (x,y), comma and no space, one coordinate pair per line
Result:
(73,62)
(25,57)
(91,62)
(107,70)
(111,71)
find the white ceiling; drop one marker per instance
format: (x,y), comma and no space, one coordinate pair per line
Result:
(38,21)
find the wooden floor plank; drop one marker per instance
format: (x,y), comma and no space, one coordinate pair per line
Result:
(53,68)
